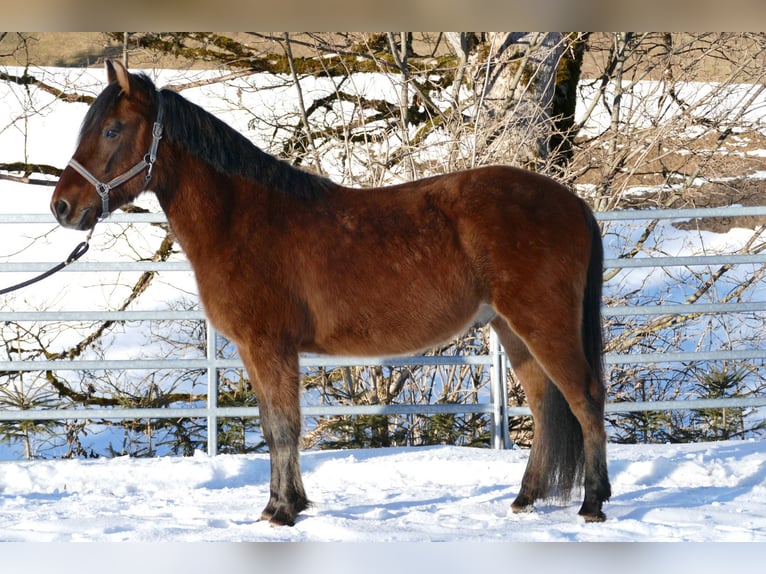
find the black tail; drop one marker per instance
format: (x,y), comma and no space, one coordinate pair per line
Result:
(558,449)
(592,331)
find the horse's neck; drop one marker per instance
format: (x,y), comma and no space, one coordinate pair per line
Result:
(197,206)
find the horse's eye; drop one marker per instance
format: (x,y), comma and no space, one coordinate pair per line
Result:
(111,133)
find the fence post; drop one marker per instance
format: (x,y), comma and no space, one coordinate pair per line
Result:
(212,390)
(498,392)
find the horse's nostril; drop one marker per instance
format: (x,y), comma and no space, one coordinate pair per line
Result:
(62,208)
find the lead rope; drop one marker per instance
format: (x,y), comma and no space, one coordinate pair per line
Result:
(76,253)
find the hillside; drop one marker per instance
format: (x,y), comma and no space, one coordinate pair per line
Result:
(73,49)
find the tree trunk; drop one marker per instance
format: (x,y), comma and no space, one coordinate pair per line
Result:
(517,89)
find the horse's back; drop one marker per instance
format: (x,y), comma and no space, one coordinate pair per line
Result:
(515,219)
(514,193)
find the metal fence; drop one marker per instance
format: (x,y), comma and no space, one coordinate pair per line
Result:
(495,360)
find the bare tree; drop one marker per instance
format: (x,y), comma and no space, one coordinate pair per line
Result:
(661,120)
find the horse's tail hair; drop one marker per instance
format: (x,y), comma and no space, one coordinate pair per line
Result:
(560,444)
(592,330)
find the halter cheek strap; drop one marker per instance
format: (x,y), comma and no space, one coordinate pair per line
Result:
(147,163)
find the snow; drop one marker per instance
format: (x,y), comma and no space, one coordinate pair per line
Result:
(643,103)
(692,493)
(661,493)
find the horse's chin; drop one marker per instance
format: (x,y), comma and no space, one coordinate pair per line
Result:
(87,220)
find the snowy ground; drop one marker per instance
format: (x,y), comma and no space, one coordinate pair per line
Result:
(694,492)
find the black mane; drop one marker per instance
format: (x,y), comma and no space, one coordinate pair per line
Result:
(214,142)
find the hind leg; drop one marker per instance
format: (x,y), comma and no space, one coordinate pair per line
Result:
(565,364)
(585,396)
(534,484)
(557,350)
(277,385)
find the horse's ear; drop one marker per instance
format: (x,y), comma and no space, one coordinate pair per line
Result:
(116,72)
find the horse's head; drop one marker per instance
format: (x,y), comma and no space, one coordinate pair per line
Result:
(115,153)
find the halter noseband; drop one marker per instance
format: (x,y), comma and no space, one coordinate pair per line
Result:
(146,163)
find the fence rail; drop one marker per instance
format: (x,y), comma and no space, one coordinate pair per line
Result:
(496,361)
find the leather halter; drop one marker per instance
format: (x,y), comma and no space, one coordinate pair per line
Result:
(147,163)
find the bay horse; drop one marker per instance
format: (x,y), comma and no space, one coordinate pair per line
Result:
(287,262)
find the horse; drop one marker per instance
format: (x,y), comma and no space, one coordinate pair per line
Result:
(287,261)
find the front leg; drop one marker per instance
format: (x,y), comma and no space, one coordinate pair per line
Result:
(277,385)
(287,497)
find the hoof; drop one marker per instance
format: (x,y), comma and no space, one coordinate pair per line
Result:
(281,520)
(522,509)
(278,514)
(267,513)
(277,518)
(594,517)
(523,503)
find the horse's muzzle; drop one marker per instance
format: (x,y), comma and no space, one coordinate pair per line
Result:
(65,214)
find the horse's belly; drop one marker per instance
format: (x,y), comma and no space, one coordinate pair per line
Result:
(401,330)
